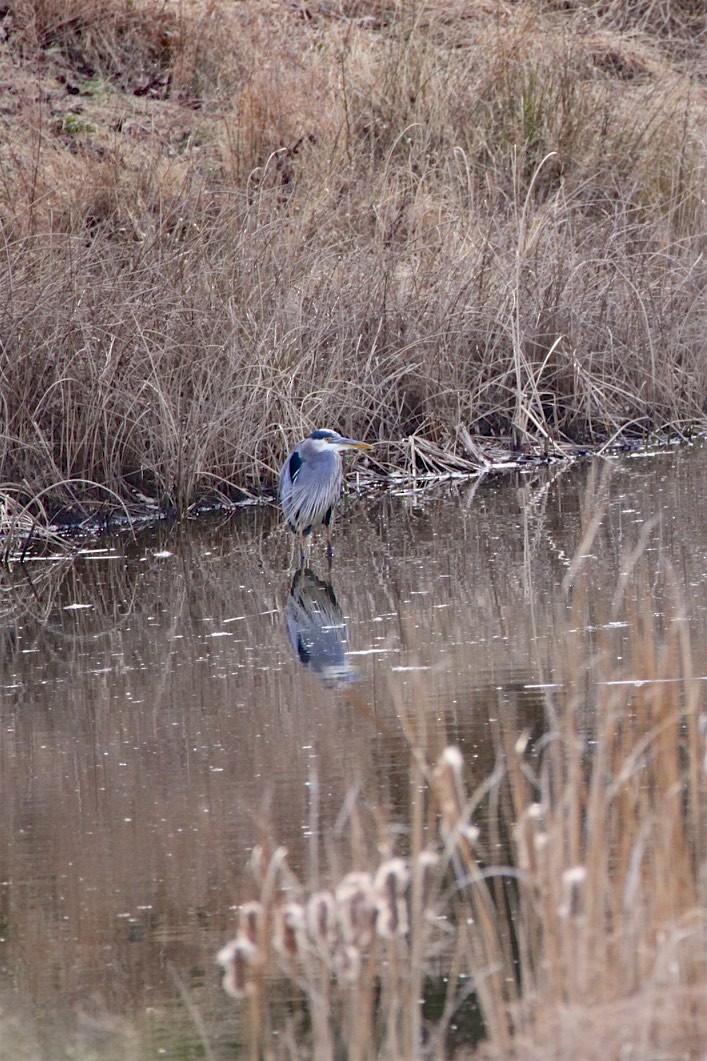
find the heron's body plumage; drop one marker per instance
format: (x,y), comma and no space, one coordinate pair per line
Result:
(310,488)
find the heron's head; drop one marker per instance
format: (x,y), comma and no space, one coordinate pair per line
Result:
(323,439)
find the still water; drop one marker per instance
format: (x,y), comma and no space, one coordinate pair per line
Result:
(167,703)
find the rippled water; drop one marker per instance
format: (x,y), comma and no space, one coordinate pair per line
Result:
(165,704)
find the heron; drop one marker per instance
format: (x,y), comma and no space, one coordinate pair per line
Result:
(311,480)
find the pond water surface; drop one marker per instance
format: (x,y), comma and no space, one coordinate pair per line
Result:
(167,703)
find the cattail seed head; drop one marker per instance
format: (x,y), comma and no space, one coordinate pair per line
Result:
(356,908)
(236,959)
(540,843)
(426,870)
(453,758)
(289,929)
(321,919)
(522,742)
(391,906)
(470,833)
(449,788)
(250,919)
(573,881)
(530,836)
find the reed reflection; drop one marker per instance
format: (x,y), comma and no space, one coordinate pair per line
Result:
(317,630)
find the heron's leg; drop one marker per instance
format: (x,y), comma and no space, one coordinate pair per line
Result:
(297,553)
(328,520)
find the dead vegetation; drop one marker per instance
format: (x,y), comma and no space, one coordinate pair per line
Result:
(564,892)
(223,224)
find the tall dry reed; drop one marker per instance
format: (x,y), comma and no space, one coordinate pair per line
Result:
(225,224)
(565,891)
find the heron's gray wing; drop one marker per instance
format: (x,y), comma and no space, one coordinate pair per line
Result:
(288,475)
(294,463)
(313,490)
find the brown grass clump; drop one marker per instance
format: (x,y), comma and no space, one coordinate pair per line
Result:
(565,893)
(223,224)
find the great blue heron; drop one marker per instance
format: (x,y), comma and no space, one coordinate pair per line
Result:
(310,481)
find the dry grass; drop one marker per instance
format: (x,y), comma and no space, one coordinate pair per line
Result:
(565,891)
(223,224)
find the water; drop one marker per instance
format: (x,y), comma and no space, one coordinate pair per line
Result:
(169,703)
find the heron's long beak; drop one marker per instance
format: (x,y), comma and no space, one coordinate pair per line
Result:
(349,443)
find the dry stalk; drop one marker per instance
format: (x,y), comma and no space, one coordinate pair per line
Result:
(437,222)
(598,912)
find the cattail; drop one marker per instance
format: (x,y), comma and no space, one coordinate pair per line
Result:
(391,907)
(250,918)
(540,842)
(289,927)
(265,866)
(530,836)
(470,833)
(236,958)
(426,869)
(449,787)
(522,742)
(356,908)
(321,920)
(572,904)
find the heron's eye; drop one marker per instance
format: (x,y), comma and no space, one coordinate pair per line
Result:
(295,465)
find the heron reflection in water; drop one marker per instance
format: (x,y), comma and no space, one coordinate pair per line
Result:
(317,630)
(310,483)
